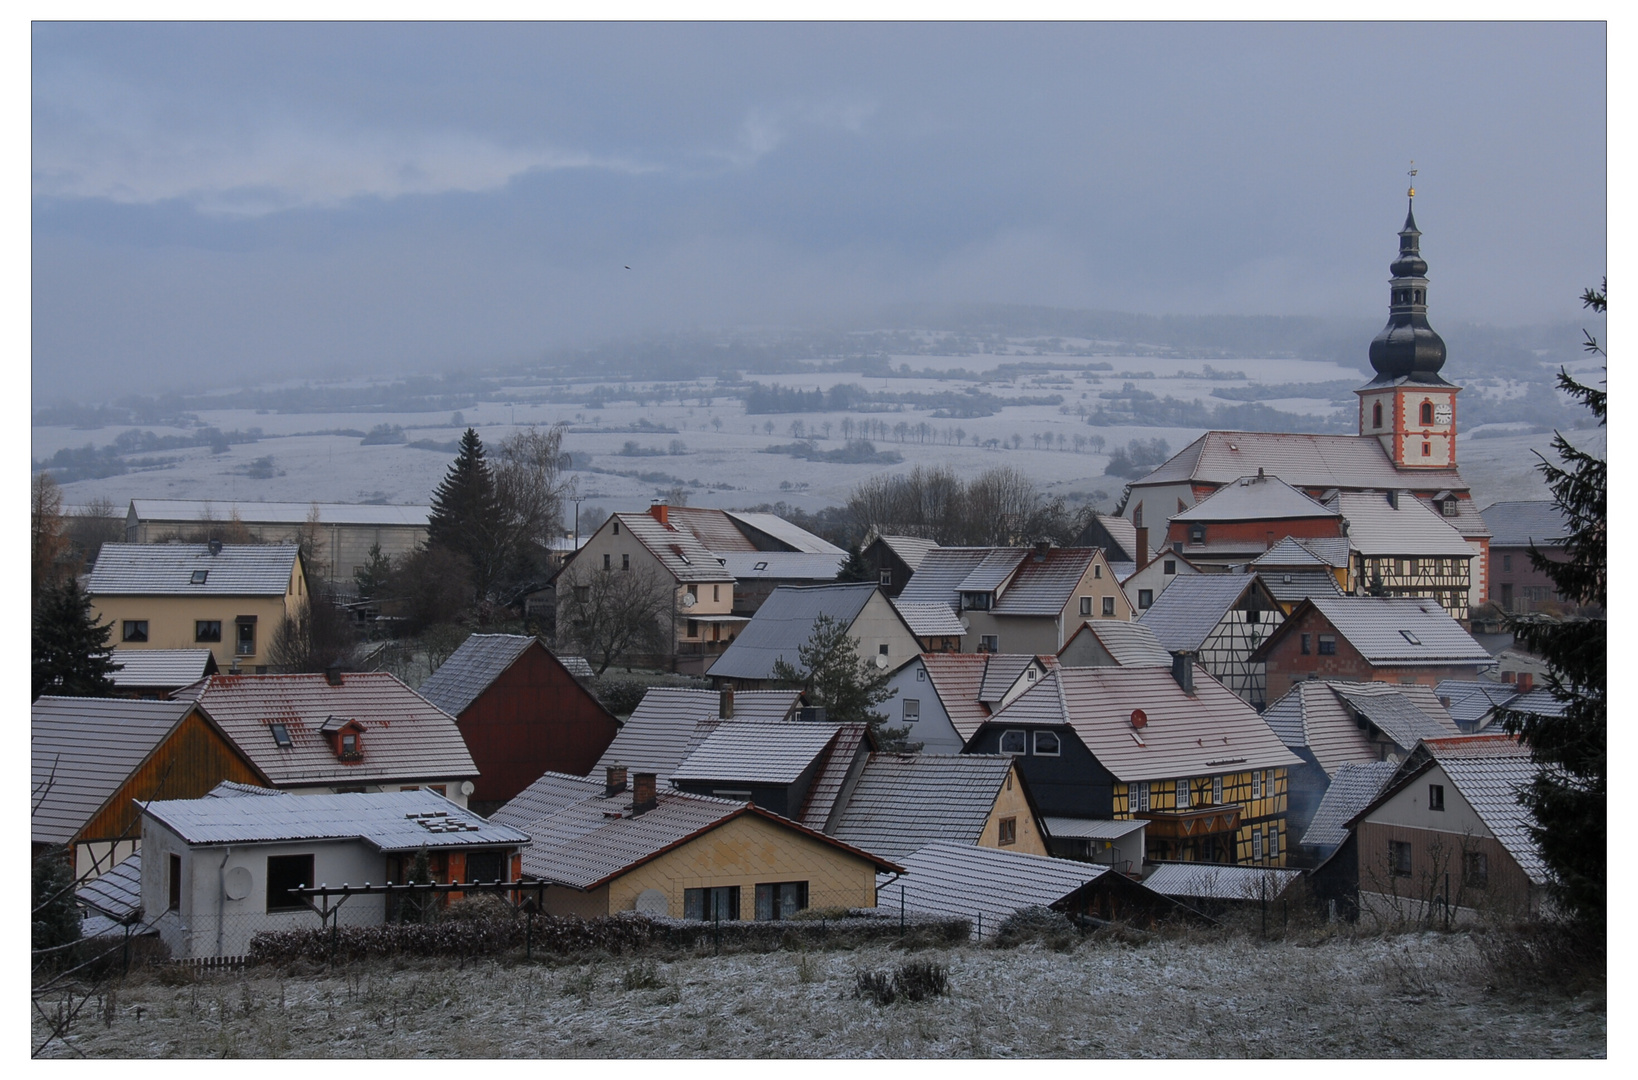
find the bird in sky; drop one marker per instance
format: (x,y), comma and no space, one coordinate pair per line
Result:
(628,268)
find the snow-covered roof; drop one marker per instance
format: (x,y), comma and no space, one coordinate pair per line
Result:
(1129,644)
(783,624)
(910,549)
(753,753)
(118,893)
(902,802)
(1520,524)
(470,669)
(793,536)
(160,668)
(1215,881)
(1254,498)
(1190,608)
(670,721)
(387,820)
(678,550)
(1389,630)
(194,511)
(1377,528)
(1091,828)
(783,565)
(191,570)
(930,620)
(1302,460)
(1352,789)
(984,884)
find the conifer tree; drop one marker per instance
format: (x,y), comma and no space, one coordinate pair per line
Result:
(855,568)
(71,651)
(1567,797)
(466,517)
(833,675)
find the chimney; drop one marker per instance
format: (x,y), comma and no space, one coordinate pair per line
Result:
(1183,671)
(1142,552)
(1041,549)
(1393,498)
(643,797)
(1527,681)
(725,705)
(215,547)
(332,674)
(1260,475)
(616,780)
(660,511)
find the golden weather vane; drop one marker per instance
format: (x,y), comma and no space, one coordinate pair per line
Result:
(1412,175)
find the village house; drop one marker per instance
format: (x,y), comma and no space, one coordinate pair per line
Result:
(1473,705)
(942,698)
(520,711)
(795,770)
(95,760)
(1352,788)
(228,598)
(1214,890)
(1244,519)
(217,871)
(760,551)
(1406,440)
(1020,600)
(1448,838)
(900,803)
(1400,547)
(1331,724)
(1365,639)
(341,534)
(1294,570)
(671,721)
(1220,620)
(1142,582)
(1514,582)
(986,885)
(894,559)
(783,625)
(158,673)
(700,622)
(674,854)
(1175,749)
(342,732)
(937,628)
(1114,644)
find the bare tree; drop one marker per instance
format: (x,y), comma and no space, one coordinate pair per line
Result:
(48,541)
(612,615)
(532,487)
(321,635)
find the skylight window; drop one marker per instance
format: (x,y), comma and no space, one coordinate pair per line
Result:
(281,735)
(199,577)
(1410,637)
(760,566)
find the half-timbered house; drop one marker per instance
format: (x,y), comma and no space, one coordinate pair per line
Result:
(1220,619)
(1399,547)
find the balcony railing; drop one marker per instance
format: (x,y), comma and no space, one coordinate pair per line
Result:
(1191,823)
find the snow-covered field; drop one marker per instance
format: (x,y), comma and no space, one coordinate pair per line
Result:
(1419,995)
(721,460)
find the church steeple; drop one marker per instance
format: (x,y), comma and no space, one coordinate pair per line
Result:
(1408,348)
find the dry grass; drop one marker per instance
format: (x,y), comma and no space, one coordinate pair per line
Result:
(1420,995)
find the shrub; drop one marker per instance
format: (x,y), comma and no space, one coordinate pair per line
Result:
(1036,924)
(876,986)
(918,980)
(642,975)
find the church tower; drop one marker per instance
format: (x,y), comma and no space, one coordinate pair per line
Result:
(1408,406)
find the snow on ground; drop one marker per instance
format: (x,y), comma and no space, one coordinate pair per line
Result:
(1420,995)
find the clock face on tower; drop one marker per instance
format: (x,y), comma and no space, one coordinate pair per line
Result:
(1442,413)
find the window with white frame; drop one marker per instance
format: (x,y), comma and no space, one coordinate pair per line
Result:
(1014,742)
(912,710)
(1273,841)
(1140,796)
(1257,843)
(1217,791)
(1086,605)
(1257,784)
(1046,744)
(1183,801)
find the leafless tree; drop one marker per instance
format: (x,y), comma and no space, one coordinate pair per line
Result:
(48,541)
(612,615)
(532,487)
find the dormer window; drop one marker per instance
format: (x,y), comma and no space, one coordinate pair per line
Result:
(1197,534)
(349,745)
(346,737)
(199,577)
(975,601)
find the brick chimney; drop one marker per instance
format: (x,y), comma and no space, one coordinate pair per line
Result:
(1527,681)
(643,797)
(332,674)
(615,781)
(725,705)
(660,511)
(1142,552)
(1183,670)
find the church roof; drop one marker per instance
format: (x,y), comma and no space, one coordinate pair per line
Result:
(1303,461)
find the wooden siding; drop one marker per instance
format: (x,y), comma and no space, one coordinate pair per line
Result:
(534,718)
(1261,814)
(1010,802)
(193,759)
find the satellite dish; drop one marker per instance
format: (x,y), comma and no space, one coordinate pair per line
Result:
(966,623)
(468,787)
(237,883)
(881,661)
(1139,718)
(653,902)
(688,600)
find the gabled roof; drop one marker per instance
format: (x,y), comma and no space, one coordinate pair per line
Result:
(1210,731)
(83,750)
(596,840)
(118,893)
(1215,881)
(1288,551)
(1129,644)
(783,565)
(834,770)
(752,753)
(910,549)
(985,884)
(1189,609)
(992,571)
(1121,531)
(470,669)
(1539,701)
(903,802)
(956,679)
(1292,586)
(280,513)
(930,620)
(1471,702)
(1308,461)
(938,579)
(793,537)
(546,796)
(170,570)
(161,668)
(712,528)
(667,724)
(677,549)
(405,737)
(1375,528)
(1045,581)
(387,820)
(1254,498)
(1350,791)
(783,624)
(1091,828)
(1329,720)
(1388,630)
(1002,672)
(1520,524)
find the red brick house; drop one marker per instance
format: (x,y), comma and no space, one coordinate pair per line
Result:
(1514,582)
(1244,519)
(1366,639)
(521,713)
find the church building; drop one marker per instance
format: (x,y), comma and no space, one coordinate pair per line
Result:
(1406,444)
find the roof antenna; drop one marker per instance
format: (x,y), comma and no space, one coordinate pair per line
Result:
(1411,193)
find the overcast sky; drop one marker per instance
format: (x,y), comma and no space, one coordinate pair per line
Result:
(228,202)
